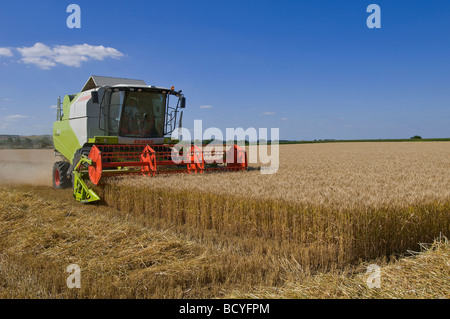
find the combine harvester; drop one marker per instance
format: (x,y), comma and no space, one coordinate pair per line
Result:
(121,127)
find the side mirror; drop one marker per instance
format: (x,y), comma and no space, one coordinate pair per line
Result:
(94,96)
(183,102)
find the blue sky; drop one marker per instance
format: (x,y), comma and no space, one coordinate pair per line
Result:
(311,68)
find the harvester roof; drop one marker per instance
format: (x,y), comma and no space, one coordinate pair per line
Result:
(97,81)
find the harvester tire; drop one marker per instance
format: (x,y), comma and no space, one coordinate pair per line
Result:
(77,158)
(60,179)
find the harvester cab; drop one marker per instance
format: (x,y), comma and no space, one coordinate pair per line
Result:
(120,126)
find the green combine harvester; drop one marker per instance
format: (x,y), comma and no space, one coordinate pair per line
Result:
(120,126)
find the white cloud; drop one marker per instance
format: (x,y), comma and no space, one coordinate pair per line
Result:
(267,113)
(11,118)
(206,106)
(5,52)
(39,54)
(45,57)
(53,106)
(74,55)
(285,119)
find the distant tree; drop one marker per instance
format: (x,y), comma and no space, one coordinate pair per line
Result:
(10,142)
(207,141)
(262,141)
(18,142)
(28,143)
(416,137)
(44,142)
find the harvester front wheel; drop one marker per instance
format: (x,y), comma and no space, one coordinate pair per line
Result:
(60,179)
(77,158)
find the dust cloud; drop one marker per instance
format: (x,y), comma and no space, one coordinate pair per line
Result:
(27,167)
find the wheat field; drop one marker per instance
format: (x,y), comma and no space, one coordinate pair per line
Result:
(327,206)
(338,175)
(308,231)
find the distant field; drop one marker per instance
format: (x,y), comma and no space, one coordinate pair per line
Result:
(368,141)
(32,167)
(308,231)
